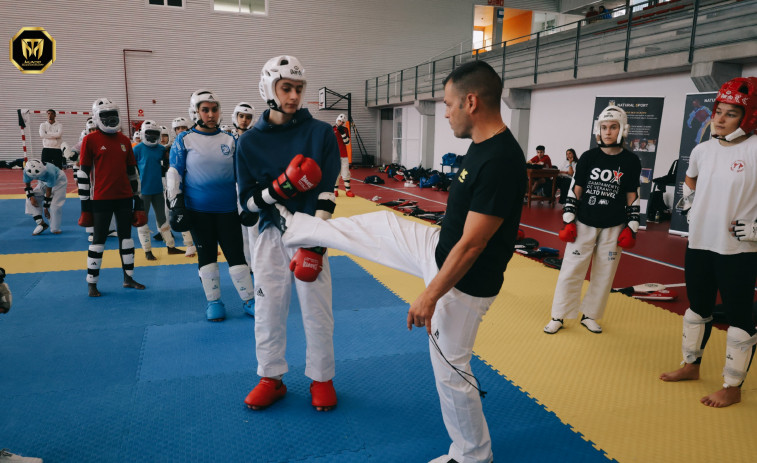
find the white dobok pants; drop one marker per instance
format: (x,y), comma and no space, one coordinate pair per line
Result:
(273,293)
(249,238)
(595,246)
(409,246)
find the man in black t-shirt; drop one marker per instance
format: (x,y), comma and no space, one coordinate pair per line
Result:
(462,263)
(601,216)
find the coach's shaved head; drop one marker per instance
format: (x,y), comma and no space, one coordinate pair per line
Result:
(479,78)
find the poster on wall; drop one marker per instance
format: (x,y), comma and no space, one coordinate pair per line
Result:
(644,116)
(695,130)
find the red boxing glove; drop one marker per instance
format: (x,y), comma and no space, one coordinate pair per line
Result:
(138,218)
(627,238)
(568,233)
(307,263)
(302,174)
(85,219)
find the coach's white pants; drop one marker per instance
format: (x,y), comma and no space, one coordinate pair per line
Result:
(273,293)
(409,246)
(56,204)
(595,246)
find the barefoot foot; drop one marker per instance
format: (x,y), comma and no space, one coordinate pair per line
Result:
(723,398)
(130,283)
(688,371)
(93,292)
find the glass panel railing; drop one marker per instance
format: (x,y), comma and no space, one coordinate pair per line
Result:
(657,28)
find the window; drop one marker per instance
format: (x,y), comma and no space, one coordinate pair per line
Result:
(241,6)
(176,3)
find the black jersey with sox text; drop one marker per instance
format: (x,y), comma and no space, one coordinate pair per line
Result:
(492,181)
(605,179)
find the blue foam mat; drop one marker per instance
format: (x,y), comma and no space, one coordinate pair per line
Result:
(16,233)
(141,376)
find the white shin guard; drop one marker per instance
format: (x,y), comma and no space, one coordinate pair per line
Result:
(211,281)
(94,260)
(127,256)
(694,331)
(240,276)
(165,232)
(144,237)
(739,351)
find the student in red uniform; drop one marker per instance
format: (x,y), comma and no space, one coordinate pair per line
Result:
(342,140)
(109,186)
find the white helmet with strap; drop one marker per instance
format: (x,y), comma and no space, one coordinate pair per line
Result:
(150,133)
(106,115)
(34,168)
(90,125)
(201,96)
(164,131)
(341,119)
(244,108)
(280,67)
(614,114)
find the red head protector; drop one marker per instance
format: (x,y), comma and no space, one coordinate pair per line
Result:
(741,91)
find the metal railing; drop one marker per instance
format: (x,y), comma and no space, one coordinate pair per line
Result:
(655,29)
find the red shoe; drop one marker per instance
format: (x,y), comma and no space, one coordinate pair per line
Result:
(267,392)
(336,192)
(350,194)
(324,395)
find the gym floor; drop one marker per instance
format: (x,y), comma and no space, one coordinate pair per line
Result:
(141,376)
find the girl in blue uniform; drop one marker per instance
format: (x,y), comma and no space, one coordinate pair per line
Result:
(201,185)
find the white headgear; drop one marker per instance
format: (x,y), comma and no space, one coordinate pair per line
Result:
(150,133)
(615,114)
(280,67)
(90,125)
(244,108)
(164,131)
(341,118)
(137,136)
(34,168)
(180,122)
(201,96)
(106,116)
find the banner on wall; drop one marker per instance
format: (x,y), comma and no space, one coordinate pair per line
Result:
(695,129)
(644,116)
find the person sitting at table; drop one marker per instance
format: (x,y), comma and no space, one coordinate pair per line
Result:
(566,173)
(543,161)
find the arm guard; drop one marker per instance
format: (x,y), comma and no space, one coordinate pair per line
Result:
(687,200)
(82,179)
(133,179)
(571,204)
(325,206)
(29,190)
(173,183)
(345,135)
(46,203)
(633,213)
